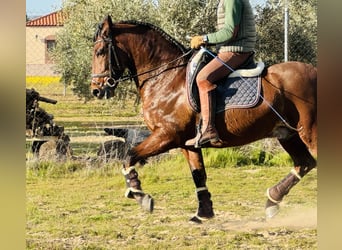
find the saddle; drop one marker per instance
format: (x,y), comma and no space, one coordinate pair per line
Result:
(241,89)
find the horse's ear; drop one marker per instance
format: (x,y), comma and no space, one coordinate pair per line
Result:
(109,20)
(107,26)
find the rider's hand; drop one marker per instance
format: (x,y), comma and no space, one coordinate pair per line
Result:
(196,42)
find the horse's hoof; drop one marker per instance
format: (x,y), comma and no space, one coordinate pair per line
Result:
(271,210)
(147,203)
(198,220)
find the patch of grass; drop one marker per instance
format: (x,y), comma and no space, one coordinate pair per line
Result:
(245,155)
(50,169)
(85,207)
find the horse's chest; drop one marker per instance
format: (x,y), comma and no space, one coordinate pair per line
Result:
(160,110)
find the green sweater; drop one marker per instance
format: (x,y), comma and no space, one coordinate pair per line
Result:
(235,27)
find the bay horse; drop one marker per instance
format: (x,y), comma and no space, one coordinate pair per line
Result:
(157,64)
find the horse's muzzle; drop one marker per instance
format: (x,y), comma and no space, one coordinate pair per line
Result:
(106,93)
(100,93)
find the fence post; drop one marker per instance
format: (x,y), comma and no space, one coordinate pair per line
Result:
(286,28)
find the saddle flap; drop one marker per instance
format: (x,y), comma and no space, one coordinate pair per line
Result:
(241,89)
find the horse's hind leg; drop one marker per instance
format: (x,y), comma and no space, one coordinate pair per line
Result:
(303,163)
(205,205)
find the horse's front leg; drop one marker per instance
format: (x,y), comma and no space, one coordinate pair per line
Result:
(134,190)
(205,205)
(303,162)
(153,145)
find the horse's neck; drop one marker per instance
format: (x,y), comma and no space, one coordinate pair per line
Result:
(153,61)
(157,55)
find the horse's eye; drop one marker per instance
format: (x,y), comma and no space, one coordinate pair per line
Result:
(100,52)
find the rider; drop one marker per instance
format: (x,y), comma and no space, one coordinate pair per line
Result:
(235,39)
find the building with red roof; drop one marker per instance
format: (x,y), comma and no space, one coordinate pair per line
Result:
(40,41)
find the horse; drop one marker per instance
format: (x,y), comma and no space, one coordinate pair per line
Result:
(157,63)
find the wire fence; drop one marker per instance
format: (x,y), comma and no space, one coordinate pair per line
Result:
(286,33)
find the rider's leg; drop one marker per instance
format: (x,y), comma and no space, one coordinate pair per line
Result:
(211,73)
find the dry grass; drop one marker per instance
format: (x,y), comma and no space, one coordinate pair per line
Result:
(84,208)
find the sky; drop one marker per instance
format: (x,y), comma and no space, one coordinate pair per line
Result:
(43,7)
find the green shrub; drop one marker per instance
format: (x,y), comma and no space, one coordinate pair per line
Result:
(244,156)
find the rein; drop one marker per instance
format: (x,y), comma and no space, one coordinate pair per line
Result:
(161,66)
(112,82)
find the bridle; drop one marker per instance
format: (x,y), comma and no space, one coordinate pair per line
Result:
(114,73)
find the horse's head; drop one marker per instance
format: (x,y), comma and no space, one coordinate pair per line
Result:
(133,46)
(107,62)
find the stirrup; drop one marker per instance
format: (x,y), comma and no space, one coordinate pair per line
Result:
(194,141)
(209,135)
(209,139)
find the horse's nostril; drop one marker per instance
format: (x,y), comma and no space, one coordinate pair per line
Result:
(96,92)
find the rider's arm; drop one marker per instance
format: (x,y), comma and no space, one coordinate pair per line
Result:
(232,18)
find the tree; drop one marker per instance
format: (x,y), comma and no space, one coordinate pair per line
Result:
(179,19)
(302,33)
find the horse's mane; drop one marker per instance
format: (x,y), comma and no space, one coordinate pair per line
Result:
(159,30)
(148,25)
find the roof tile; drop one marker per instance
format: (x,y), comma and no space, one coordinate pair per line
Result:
(53,19)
